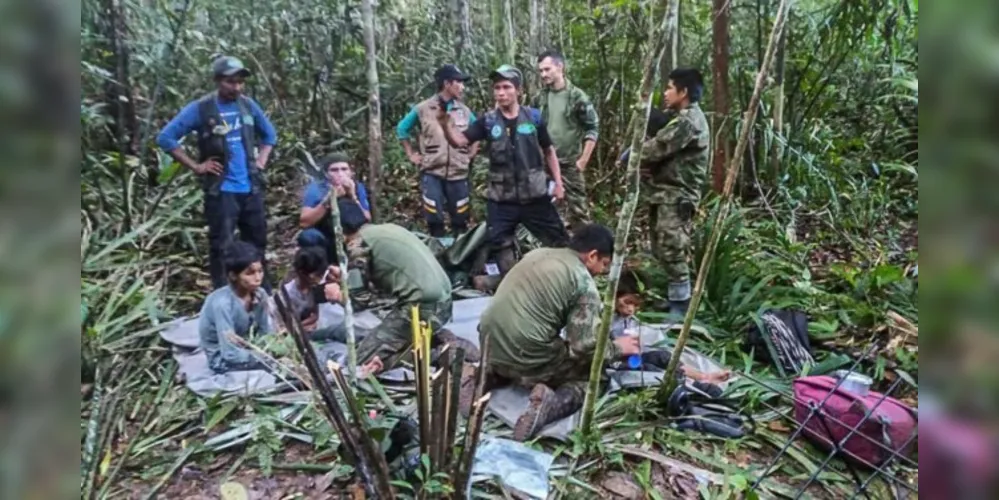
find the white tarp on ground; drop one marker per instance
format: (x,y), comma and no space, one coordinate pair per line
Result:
(507,403)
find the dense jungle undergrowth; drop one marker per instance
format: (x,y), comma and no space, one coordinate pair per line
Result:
(825,219)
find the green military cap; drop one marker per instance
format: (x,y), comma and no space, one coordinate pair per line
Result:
(228,66)
(333,158)
(507,72)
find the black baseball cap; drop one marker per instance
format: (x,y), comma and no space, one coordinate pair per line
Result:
(449,72)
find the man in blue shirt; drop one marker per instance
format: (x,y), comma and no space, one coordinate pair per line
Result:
(443,168)
(315,221)
(230,160)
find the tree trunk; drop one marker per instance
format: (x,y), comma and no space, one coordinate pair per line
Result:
(533,44)
(726,198)
(720,95)
(671,55)
(511,40)
(464,29)
(374,105)
(777,149)
(639,121)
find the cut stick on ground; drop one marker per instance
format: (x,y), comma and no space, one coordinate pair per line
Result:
(639,120)
(749,118)
(463,473)
(437,418)
(371,467)
(422,381)
(441,384)
(457,360)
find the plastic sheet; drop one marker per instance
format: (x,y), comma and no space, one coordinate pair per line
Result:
(515,465)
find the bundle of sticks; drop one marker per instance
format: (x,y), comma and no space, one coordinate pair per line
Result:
(357,441)
(437,403)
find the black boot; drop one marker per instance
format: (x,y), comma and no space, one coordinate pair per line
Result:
(546,406)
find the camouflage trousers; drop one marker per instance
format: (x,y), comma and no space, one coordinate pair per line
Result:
(564,373)
(575,209)
(392,340)
(671,216)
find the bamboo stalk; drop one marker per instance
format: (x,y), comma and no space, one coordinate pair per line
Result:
(462,476)
(341,252)
(438,418)
(371,466)
(639,122)
(749,117)
(422,380)
(453,391)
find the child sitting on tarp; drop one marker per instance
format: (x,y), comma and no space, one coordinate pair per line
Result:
(624,322)
(307,293)
(239,308)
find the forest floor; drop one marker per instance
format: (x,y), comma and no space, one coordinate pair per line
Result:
(635,458)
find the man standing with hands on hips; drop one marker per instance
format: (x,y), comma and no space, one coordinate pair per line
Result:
(573,125)
(230,162)
(517,185)
(443,168)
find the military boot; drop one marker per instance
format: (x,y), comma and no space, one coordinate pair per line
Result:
(546,406)
(447,337)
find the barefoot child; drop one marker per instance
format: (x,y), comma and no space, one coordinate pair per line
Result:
(626,305)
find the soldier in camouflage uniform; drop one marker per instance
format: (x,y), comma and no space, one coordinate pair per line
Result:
(386,259)
(551,289)
(573,125)
(675,163)
(517,186)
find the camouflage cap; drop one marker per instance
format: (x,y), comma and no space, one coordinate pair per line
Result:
(228,66)
(507,72)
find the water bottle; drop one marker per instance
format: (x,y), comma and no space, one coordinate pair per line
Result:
(634,360)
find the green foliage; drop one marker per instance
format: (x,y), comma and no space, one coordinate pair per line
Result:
(831,228)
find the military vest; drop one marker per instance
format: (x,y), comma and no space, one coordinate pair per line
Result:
(439,157)
(212,145)
(516,162)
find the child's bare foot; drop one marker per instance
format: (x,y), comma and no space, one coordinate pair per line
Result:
(717,377)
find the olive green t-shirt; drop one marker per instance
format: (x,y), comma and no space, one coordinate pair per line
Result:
(396,262)
(566,136)
(548,290)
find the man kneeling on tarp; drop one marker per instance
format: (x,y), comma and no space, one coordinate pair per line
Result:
(548,290)
(386,259)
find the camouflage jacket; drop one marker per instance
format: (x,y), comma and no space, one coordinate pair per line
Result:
(579,114)
(678,156)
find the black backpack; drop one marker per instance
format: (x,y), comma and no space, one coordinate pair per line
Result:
(780,337)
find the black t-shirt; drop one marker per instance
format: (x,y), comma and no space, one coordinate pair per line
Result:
(477,131)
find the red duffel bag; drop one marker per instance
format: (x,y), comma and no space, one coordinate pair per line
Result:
(887,430)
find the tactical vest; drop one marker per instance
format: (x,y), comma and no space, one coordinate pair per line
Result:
(439,158)
(516,163)
(212,145)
